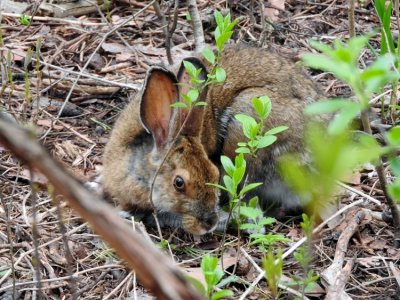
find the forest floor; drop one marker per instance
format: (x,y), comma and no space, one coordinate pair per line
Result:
(77,137)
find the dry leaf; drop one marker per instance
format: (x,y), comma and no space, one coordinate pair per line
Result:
(47,123)
(369,262)
(271,13)
(36,177)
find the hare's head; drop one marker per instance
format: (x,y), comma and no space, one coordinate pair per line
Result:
(181,184)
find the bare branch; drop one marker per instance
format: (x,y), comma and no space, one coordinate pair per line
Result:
(197,25)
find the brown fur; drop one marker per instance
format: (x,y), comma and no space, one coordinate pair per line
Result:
(130,160)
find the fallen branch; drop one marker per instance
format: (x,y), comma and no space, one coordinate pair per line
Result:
(330,275)
(153,269)
(336,290)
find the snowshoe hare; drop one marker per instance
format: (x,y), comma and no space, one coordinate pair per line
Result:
(144,132)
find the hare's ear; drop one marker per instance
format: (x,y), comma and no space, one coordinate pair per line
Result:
(159,92)
(195,119)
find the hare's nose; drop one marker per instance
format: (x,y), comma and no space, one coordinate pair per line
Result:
(209,220)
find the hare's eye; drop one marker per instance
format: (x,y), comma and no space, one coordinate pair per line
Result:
(179,183)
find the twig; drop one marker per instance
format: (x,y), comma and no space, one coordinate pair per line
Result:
(36,262)
(330,275)
(336,290)
(347,187)
(352,23)
(118,287)
(56,20)
(69,127)
(68,254)
(198,32)
(6,207)
(164,24)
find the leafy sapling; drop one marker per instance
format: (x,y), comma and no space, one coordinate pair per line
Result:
(212,275)
(253,220)
(222,34)
(342,61)
(24,20)
(249,216)
(273,265)
(304,256)
(254,130)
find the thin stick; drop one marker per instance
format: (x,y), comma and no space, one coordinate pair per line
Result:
(197,25)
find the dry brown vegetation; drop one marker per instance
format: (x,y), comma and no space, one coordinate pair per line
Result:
(88,68)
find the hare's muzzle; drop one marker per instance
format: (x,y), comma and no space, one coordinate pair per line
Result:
(202,224)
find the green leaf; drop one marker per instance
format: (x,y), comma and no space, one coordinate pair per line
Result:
(228,165)
(266,221)
(341,70)
(253,202)
(356,44)
(394,190)
(190,68)
(265,141)
(395,165)
(346,116)
(228,182)
(387,43)
(247,226)
(222,294)
(193,95)
(249,187)
(197,284)
(228,280)
(243,150)
(240,161)
(220,74)
(393,136)
(219,19)
(208,263)
(262,106)
(218,186)
(380,8)
(248,123)
(250,212)
(245,119)
(253,143)
(179,105)
(209,55)
(326,106)
(187,99)
(276,130)
(200,103)
(218,274)
(222,39)
(238,175)
(377,75)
